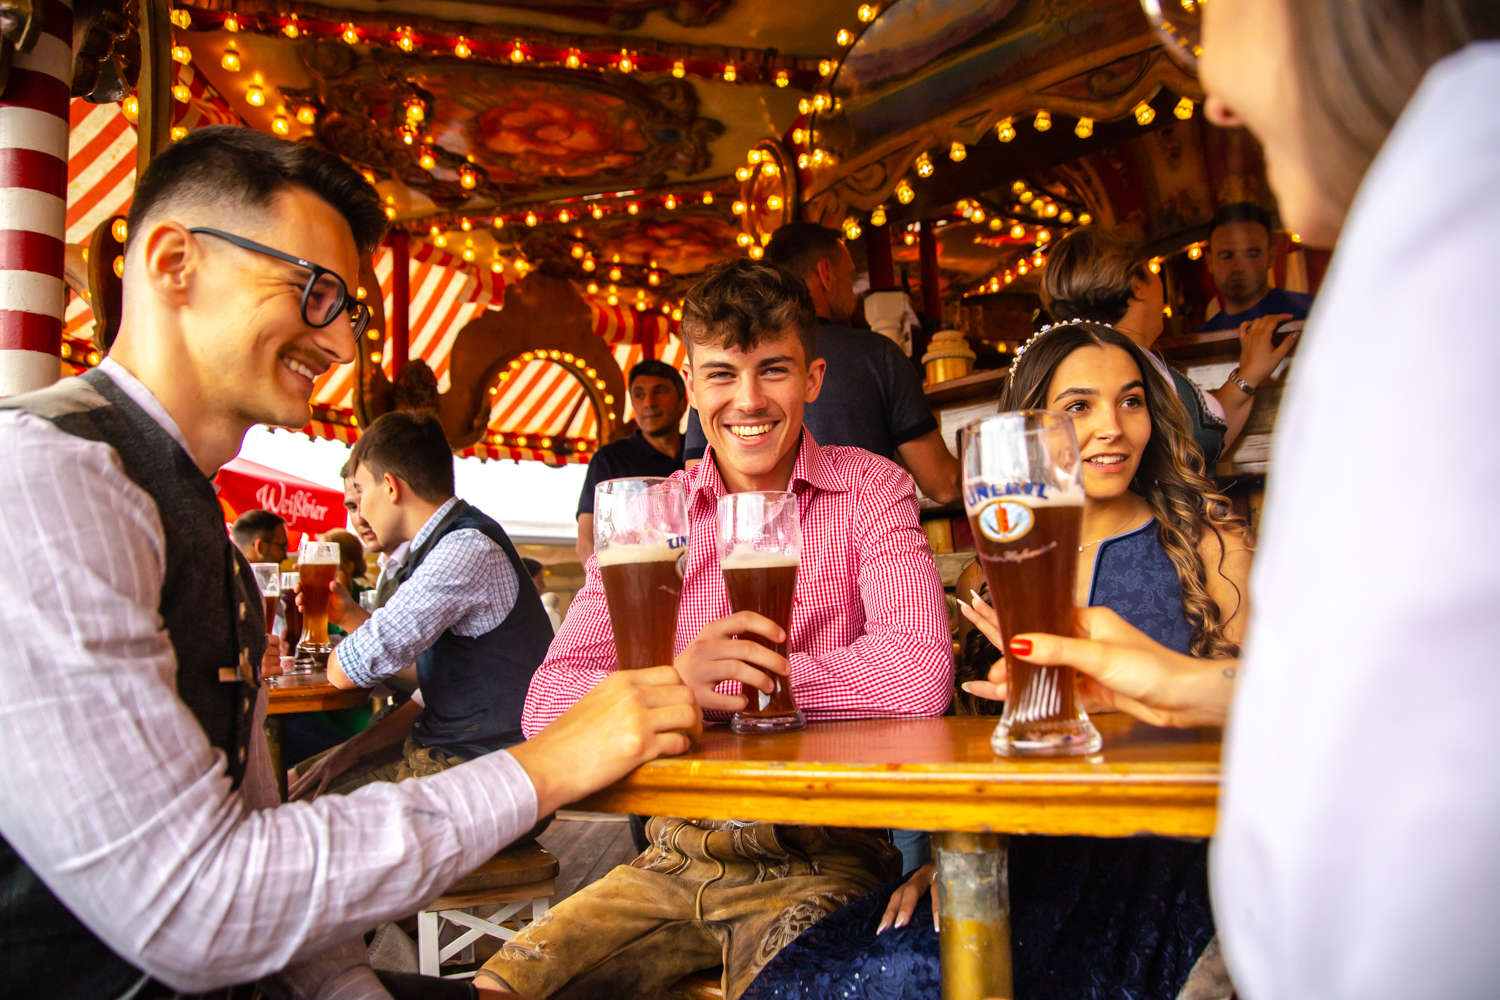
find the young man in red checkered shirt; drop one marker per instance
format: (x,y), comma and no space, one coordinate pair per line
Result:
(869,637)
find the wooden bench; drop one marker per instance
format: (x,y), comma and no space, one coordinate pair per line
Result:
(703,985)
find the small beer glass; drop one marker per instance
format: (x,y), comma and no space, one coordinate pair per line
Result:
(318,567)
(268,579)
(641,541)
(1023,492)
(760,545)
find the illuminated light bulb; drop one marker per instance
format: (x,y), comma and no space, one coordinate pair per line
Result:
(1022,267)
(1155,265)
(119,230)
(390,212)
(957,152)
(182,94)
(255,96)
(435,230)
(463,224)
(666,308)
(877,217)
(521,441)
(799,136)
(782,78)
(803,161)
(589,263)
(1018,232)
(866,12)
(574,60)
(179,133)
(670,201)
(461,48)
(768,168)
(590,372)
(93,357)
(517,54)
(1026,197)
(66,350)
(598,383)
(231,23)
(739,208)
(350,34)
(654,278)
(742,174)
(405,40)
(1065,217)
(440,240)
(307,114)
(978,215)
(230,60)
(468,253)
(1042,122)
(1084,128)
(744,239)
(826,67)
(593,288)
(805,106)
(756,253)
(626,64)
(291,28)
(578,251)
(1038,260)
(774,203)
(416,111)
(568,356)
(904,192)
(554,355)
(494,390)
(612,299)
(1195,252)
(679,69)
(924,166)
(565,216)
(729,72)
(1043,236)
(427,160)
(633,208)
(819,102)
(1018,187)
(640,307)
(708,197)
(1085,218)
(851,228)
(1296,237)
(531,219)
(1144,113)
(1184,108)
(1005,131)
(1050,210)
(997,223)
(375,356)
(615,274)
(407,135)
(677,315)
(182,19)
(1009,277)
(181,53)
(844,37)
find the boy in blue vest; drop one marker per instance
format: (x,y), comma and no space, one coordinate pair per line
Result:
(466,611)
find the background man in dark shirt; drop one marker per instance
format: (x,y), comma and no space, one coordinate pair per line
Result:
(872,396)
(261,536)
(655,449)
(1239,258)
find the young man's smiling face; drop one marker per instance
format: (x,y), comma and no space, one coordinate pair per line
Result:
(750,404)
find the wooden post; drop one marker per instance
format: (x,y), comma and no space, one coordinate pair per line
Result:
(932,295)
(400,303)
(153,127)
(33,198)
(974,923)
(878,248)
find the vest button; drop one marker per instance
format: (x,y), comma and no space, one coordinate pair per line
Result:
(242,611)
(241,755)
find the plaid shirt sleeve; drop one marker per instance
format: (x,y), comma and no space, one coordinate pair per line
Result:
(582,654)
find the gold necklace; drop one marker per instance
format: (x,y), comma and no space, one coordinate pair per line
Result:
(1128,525)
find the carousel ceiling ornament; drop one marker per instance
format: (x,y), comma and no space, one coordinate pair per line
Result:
(1179,24)
(768,194)
(622,14)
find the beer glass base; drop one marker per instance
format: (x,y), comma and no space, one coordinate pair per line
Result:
(1072,738)
(760,725)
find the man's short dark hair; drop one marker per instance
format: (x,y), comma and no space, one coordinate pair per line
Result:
(226,166)
(742,302)
(1241,211)
(411,447)
(255,524)
(798,246)
(658,369)
(533,566)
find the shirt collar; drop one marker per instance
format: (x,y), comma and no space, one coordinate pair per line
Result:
(430,525)
(814,468)
(395,558)
(145,399)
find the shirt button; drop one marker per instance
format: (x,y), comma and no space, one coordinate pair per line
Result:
(242,611)
(245,704)
(242,755)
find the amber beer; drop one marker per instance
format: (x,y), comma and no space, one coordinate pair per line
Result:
(268,579)
(642,588)
(291,632)
(765,583)
(1023,491)
(318,567)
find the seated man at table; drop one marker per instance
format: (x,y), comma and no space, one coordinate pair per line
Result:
(466,611)
(868,637)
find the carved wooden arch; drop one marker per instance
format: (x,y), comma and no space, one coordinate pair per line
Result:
(542,315)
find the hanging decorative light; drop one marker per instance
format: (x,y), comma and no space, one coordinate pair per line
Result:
(230,60)
(679,69)
(1005,131)
(729,72)
(405,40)
(1184,108)
(574,59)
(866,12)
(1144,113)
(307,114)
(350,34)
(1042,122)
(626,64)
(904,192)
(782,78)
(877,217)
(924,166)
(462,50)
(1084,128)
(957,152)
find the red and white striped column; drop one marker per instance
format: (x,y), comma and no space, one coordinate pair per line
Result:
(33,202)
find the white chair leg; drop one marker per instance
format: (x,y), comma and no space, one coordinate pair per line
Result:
(427,942)
(540,906)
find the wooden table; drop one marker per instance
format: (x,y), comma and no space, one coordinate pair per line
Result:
(941,775)
(297,693)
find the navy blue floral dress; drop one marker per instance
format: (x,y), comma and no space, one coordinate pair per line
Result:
(1092,918)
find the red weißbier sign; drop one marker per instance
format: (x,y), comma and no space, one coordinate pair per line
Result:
(307,507)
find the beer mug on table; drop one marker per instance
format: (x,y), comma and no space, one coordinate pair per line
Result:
(760,545)
(317,566)
(641,541)
(1023,492)
(268,579)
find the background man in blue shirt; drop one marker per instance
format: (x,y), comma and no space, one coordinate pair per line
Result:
(1239,259)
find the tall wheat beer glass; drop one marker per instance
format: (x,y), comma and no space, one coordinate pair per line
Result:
(641,537)
(268,579)
(760,545)
(1023,490)
(318,566)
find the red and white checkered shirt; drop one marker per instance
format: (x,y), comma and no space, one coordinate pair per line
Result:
(869,631)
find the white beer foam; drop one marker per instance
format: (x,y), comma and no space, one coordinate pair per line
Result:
(617,555)
(1072,496)
(745,556)
(318,559)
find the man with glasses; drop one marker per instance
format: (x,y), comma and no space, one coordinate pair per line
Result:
(144,853)
(260,536)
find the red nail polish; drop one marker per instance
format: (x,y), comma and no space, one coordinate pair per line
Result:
(1021,647)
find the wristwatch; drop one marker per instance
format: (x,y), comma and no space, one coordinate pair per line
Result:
(1240,383)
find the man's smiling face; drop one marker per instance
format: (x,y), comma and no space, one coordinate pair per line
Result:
(750,404)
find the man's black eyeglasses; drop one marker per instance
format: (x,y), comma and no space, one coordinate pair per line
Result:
(323,297)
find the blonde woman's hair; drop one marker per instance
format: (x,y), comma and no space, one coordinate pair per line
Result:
(1089,275)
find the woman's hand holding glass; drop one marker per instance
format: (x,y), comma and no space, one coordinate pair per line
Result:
(1121,669)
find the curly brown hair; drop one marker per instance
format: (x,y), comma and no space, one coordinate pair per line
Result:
(1171,477)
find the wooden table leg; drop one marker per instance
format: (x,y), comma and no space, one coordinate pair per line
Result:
(974,903)
(275,732)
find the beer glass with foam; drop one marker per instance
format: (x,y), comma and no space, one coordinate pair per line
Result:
(268,579)
(1023,492)
(760,545)
(641,539)
(318,567)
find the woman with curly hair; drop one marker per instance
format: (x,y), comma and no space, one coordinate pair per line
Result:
(1093,918)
